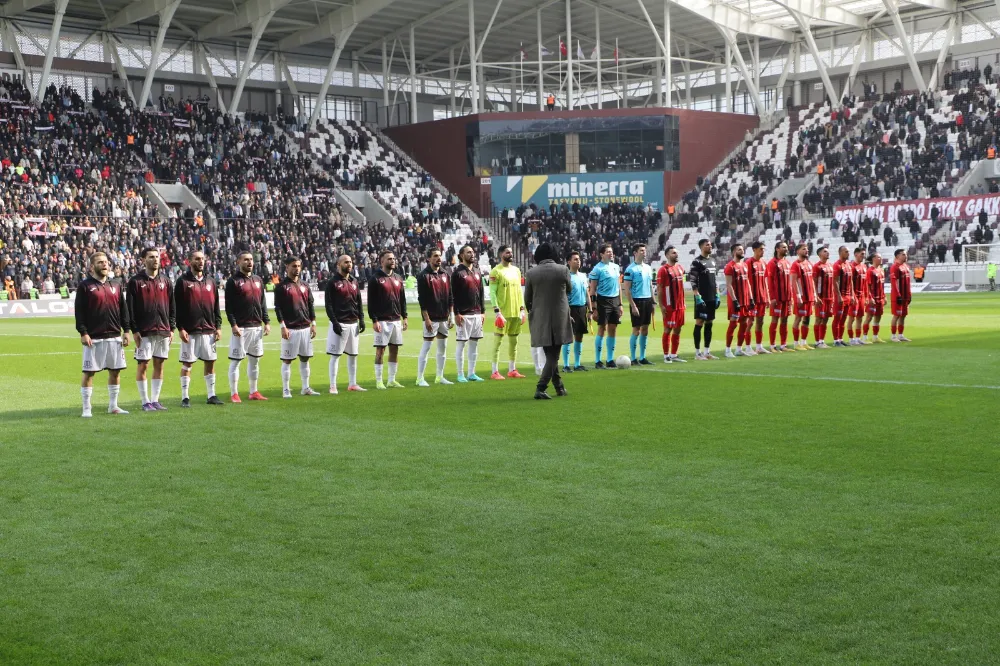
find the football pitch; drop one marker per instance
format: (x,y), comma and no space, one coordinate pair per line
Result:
(827,506)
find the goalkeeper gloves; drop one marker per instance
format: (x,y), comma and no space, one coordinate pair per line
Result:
(499,322)
(716,300)
(698,300)
(337,328)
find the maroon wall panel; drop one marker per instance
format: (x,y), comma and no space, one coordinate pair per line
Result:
(439,146)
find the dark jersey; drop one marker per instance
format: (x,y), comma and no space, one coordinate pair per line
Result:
(293,304)
(245,304)
(702,277)
(467,290)
(151,304)
(101,310)
(197,304)
(434,294)
(386,299)
(343,299)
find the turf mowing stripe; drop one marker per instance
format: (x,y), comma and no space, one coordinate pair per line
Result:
(857,380)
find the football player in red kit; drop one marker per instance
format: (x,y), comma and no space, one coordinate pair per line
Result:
(825,286)
(899,276)
(670,296)
(739,299)
(843,276)
(875,300)
(757,269)
(779,288)
(860,296)
(805,296)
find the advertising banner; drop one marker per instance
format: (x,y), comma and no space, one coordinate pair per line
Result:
(37,308)
(586,189)
(950,208)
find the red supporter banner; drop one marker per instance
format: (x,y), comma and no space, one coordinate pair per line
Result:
(950,208)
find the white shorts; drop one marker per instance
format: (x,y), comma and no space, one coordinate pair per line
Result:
(104,355)
(152,346)
(200,347)
(438,328)
(391,334)
(251,343)
(299,344)
(471,328)
(345,343)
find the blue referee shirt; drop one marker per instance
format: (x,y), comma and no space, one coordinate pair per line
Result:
(578,288)
(641,278)
(606,275)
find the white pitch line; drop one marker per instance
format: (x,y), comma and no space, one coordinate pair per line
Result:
(858,380)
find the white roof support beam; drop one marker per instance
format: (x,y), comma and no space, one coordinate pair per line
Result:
(949,39)
(946,5)
(201,56)
(330,68)
(820,11)
(486,33)
(248,64)
(16,7)
(166,16)
(245,15)
(436,14)
(893,10)
(736,20)
(50,52)
(109,45)
(789,59)
(334,23)
(741,64)
(292,88)
(137,11)
(814,50)
(10,39)
(859,52)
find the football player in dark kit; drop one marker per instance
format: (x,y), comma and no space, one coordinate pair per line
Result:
(347,322)
(102,322)
(295,311)
(387,310)
(706,298)
(152,316)
(199,324)
(246,311)
(434,296)
(469,303)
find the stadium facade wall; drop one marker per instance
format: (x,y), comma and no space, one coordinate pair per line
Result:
(439,147)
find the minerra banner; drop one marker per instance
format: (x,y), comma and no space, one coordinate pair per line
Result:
(950,208)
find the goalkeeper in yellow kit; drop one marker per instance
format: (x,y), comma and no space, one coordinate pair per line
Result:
(508,306)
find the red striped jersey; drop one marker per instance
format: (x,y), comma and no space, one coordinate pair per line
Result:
(805,287)
(843,275)
(876,284)
(899,276)
(670,286)
(823,272)
(757,268)
(779,280)
(741,281)
(860,275)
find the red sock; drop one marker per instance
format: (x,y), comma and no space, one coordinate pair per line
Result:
(900,328)
(865,327)
(836,328)
(729,333)
(795,333)
(894,327)
(744,332)
(875,330)
(804,335)
(818,332)
(666,342)
(784,332)
(772,330)
(675,342)
(759,334)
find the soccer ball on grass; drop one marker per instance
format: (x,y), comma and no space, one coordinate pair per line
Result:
(623,362)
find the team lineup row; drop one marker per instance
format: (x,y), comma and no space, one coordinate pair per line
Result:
(150,307)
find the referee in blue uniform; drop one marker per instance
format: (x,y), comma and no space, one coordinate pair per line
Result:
(579,311)
(606,295)
(638,279)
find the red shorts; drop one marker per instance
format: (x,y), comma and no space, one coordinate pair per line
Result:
(845,307)
(859,308)
(743,312)
(673,319)
(875,309)
(900,310)
(784,309)
(804,309)
(825,309)
(759,309)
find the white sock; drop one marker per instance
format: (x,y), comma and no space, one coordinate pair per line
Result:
(253,372)
(143,394)
(234,377)
(334,369)
(185,386)
(352,370)
(304,373)
(378,372)
(511,366)
(113,390)
(286,376)
(210,384)
(496,367)
(441,351)
(86,392)
(425,349)
(460,357)
(393,367)
(473,355)
(157,385)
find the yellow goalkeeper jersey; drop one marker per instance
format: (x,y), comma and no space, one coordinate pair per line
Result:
(505,290)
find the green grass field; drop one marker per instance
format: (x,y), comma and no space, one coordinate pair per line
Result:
(821,507)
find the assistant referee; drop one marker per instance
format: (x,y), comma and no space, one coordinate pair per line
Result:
(579,312)
(638,281)
(605,292)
